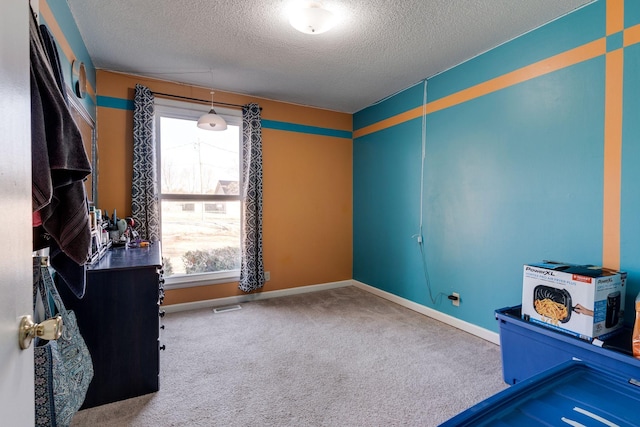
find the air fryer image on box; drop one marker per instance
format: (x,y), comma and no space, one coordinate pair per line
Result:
(552,303)
(584,301)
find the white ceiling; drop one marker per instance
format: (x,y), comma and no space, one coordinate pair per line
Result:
(377,48)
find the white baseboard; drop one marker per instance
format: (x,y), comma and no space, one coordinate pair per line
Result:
(483,333)
(219,302)
(429,312)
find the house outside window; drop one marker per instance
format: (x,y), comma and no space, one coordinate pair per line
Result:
(199,195)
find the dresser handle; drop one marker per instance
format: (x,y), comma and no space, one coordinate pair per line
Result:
(163,347)
(161,326)
(161,313)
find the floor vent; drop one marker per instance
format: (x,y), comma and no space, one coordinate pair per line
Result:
(227,308)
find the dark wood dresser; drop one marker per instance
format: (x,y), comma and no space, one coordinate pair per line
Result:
(118,318)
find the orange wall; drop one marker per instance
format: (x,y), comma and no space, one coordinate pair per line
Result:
(307,189)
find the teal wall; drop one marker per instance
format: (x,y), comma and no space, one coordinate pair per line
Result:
(511,177)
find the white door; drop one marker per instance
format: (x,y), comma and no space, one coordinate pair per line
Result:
(16,366)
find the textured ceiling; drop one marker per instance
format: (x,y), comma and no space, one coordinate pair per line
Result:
(377,48)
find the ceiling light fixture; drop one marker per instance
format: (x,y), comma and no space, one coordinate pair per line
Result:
(211,120)
(312,19)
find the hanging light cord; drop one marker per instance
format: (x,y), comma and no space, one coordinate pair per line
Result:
(212,92)
(418,236)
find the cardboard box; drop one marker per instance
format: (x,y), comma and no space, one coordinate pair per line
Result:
(584,301)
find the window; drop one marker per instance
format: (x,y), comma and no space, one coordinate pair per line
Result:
(199,194)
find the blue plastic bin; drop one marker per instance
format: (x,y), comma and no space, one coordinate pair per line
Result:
(529,349)
(570,394)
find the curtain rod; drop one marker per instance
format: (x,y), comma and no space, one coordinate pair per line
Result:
(198,100)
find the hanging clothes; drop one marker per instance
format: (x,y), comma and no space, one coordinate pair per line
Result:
(59,166)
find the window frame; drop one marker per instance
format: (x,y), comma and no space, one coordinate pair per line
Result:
(191,111)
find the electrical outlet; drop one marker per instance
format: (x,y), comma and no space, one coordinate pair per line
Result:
(456,302)
(267,276)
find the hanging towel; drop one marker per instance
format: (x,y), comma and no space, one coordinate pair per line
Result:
(51,50)
(59,164)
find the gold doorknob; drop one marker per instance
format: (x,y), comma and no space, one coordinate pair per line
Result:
(50,329)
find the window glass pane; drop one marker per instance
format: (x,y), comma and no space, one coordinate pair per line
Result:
(197,161)
(200,237)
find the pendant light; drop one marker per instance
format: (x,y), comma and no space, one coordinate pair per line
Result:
(211,120)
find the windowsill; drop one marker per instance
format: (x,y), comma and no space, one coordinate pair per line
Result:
(180,281)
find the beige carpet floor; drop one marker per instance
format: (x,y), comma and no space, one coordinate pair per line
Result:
(340,357)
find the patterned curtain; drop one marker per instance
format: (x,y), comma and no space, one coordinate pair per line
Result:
(252,266)
(144,201)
